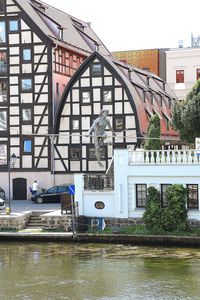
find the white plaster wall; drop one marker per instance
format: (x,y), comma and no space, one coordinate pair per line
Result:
(187,59)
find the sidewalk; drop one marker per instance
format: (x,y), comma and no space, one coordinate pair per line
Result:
(18,206)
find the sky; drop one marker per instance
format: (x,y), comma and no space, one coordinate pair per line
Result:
(137,24)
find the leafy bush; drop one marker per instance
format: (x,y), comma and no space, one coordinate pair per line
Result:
(152,214)
(174,217)
(171,218)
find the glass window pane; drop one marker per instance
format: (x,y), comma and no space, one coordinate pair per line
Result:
(14,25)
(26,54)
(2,32)
(27,146)
(107,96)
(3,92)
(96,69)
(26,114)
(3,63)
(3,154)
(26,84)
(85,97)
(3,120)
(75,124)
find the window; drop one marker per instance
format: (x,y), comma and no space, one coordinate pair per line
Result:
(75,153)
(96,69)
(2,32)
(57,88)
(26,114)
(86,97)
(26,54)
(3,62)
(2,6)
(60,32)
(26,85)
(3,154)
(118,123)
(163,194)
(197,74)
(75,124)
(179,76)
(91,153)
(14,25)
(192,196)
(27,146)
(3,120)
(107,96)
(141,195)
(3,92)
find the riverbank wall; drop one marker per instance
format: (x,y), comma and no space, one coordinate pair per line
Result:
(132,240)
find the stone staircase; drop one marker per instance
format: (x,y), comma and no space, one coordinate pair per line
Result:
(34,221)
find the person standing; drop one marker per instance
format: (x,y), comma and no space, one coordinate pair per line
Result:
(34,187)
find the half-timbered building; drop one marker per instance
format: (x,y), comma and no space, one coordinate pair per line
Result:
(131,96)
(40,50)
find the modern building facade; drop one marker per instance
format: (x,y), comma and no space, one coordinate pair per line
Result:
(152,60)
(182,69)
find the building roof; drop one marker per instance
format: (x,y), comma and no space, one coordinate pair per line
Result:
(77,34)
(151,95)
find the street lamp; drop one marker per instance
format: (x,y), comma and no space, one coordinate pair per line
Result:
(11,164)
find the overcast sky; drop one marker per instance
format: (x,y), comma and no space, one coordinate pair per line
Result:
(137,24)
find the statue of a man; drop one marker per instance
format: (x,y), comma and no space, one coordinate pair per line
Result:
(98,127)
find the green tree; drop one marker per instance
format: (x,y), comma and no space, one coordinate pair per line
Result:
(186,115)
(152,141)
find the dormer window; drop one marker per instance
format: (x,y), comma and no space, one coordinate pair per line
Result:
(60,33)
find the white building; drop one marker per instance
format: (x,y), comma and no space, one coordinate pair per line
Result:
(182,69)
(134,172)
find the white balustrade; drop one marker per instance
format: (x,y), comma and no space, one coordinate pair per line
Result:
(153,157)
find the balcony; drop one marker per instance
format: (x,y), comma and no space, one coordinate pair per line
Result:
(167,157)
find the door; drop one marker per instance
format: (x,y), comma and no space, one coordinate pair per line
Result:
(19,189)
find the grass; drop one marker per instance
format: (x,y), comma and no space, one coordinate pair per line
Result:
(141,230)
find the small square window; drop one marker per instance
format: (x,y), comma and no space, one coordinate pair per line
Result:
(86,97)
(26,84)
(3,120)
(75,124)
(179,76)
(27,146)
(14,25)
(107,96)
(75,153)
(26,114)
(119,124)
(3,154)
(96,69)
(3,92)
(26,54)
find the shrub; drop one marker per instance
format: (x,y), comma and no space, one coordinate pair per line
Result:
(174,217)
(152,214)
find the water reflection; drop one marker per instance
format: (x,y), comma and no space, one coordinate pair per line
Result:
(91,272)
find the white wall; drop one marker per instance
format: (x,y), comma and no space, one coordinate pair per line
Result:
(121,203)
(187,59)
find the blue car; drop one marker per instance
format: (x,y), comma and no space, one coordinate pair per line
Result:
(51,195)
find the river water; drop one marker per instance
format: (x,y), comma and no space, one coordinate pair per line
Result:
(34,271)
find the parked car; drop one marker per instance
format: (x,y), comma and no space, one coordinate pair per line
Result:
(51,195)
(2,194)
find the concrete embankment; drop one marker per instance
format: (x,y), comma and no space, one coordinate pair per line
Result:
(154,240)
